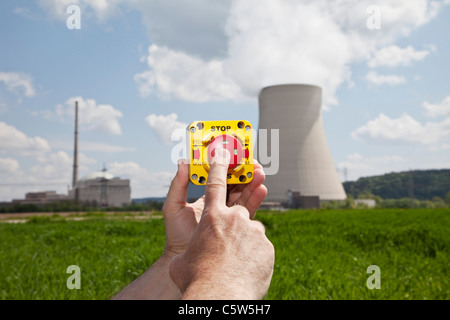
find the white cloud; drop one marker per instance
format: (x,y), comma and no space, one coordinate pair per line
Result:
(16,142)
(84,160)
(57,167)
(103,147)
(379,79)
(393,56)
(229,49)
(52,167)
(188,78)
(8,166)
(50,170)
(273,42)
(18,83)
(164,126)
(10,175)
(357,166)
(194,27)
(437,110)
(143,182)
(92,116)
(404,129)
(88,146)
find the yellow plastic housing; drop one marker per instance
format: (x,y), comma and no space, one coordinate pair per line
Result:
(203,133)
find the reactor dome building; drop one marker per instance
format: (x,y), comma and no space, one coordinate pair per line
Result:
(101,188)
(305,161)
(98,188)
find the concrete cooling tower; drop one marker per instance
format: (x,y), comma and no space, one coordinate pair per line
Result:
(305,161)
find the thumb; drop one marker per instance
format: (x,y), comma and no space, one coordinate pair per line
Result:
(176,197)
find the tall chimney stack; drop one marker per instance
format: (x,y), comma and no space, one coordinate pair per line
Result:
(75,149)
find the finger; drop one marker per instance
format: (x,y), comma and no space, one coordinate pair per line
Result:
(254,201)
(176,197)
(200,202)
(216,185)
(198,206)
(241,195)
(256,164)
(235,192)
(241,210)
(260,226)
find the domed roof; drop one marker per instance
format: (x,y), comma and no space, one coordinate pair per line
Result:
(98,175)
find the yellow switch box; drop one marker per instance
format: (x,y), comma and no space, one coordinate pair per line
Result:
(205,137)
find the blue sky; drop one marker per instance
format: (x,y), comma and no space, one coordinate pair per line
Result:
(141,69)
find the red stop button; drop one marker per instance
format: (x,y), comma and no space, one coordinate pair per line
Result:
(230,143)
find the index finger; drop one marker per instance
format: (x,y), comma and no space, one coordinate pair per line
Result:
(216,186)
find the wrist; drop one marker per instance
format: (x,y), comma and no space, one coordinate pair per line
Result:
(206,289)
(170,253)
(155,283)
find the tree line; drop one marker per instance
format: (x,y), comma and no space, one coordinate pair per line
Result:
(416,184)
(72,206)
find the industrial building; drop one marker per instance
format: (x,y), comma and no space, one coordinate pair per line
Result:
(101,188)
(40,198)
(98,188)
(295,200)
(305,161)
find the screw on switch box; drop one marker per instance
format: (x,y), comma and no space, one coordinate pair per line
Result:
(205,137)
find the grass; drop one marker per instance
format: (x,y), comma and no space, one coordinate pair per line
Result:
(325,255)
(319,254)
(34,256)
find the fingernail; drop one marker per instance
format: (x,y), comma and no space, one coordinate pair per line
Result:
(222,156)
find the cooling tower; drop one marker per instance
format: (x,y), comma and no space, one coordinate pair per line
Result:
(305,161)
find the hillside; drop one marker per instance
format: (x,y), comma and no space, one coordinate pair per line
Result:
(418,184)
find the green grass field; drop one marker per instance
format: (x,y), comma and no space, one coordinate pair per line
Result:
(319,254)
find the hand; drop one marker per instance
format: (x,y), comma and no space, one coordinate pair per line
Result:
(181,218)
(249,195)
(228,255)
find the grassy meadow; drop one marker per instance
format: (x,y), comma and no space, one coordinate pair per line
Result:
(321,254)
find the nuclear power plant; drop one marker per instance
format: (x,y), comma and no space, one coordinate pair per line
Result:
(305,172)
(306,167)
(98,188)
(102,189)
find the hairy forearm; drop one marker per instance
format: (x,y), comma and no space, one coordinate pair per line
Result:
(212,289)
(154,284)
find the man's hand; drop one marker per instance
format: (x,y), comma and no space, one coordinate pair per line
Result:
(181,218)
(228,255)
